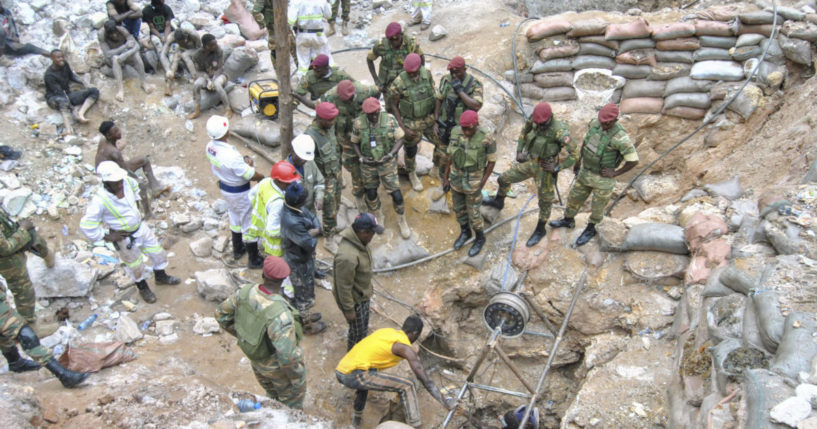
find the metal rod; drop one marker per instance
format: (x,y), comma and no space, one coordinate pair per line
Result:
(514,369)
(499,390)
(538,312)
(538,334)
(524,421)
(488,346)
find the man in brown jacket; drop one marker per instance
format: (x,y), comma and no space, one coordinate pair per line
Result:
(353,275)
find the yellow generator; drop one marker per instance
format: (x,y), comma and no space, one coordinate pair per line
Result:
(264,97)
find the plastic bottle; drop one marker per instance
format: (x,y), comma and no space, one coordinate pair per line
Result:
(87,322)
(245,405)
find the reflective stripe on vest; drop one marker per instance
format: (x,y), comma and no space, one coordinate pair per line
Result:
(258,224)
(381,136)
(420,100)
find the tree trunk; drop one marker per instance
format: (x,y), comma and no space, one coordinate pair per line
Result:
(282,44)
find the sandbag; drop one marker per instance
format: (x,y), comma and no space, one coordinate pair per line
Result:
(765,29)
(632,44)
(772,75)
(719,353)
(761,391)
(596,49)
(587,27)
(239,61)
(797,347)
(724,317)
(630,30)
(667,71)
(686,84)
(523,76)
(714,28)
(675,30)
(717,70)
(725,12)
(637,57)
(616,98)
(563,93)
(714,285)
(749,40)
(237,13)
(796,50)
(811,17)
(736,279)
(658,237)
(789,13)
(774,54)
(747,101)
(94,356)
(685,112)
(684,57)
(745,52)
(558,65)
(552,80)
(770,319)
(600,40)
(643,88)
(800,30)
(698,100)
(546,28)
(717,42)
(687,44)
(264,131)
(729,189)
(755,18)
(631,72)
(593,62)
(711,54)
(568,49)
(751,330)
(720,90)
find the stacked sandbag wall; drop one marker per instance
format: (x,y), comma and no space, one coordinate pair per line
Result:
(680,69)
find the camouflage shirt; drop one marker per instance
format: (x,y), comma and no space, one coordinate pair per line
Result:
(391,63)
(262,13)
(316,86)
(446,95)
(350,109)
(558,132)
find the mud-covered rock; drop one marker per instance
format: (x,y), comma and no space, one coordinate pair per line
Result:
(19,406)
(68,278)
(655,266)
(214,285)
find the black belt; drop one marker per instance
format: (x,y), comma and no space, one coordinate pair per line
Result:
(311,31)
(234,189)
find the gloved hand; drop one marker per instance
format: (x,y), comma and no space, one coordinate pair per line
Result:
(457,85)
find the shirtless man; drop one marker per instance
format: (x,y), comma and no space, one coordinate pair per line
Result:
(119,47)
(109,151)
(187,43)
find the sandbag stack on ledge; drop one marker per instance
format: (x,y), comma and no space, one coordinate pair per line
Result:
(680,69)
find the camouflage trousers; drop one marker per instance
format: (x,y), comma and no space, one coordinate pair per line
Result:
(420,127)
(543,180)
(282,384)
(441,157)
(331,199)
(385,173)
(13,269)
(10,324)
(302,276)
(466,196)
(345,8)
(271,45)
(587,183)
(352,164)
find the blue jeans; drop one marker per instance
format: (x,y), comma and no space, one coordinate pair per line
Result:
(133,25)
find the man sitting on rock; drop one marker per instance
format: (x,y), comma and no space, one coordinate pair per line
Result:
(58,94)
(126,14)
(108,150)
(120,48)
(158,16)
(10,39)
(209,61)
(186,44)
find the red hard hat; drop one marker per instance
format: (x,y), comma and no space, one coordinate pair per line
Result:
(285,172)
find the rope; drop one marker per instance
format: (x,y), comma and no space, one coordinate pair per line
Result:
(707,121)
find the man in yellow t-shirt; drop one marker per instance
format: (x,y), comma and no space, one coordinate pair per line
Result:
(385,348)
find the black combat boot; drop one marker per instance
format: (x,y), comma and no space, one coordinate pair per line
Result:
(465,234)
(588,233)
(17,363)
(567,222)
(145,292)
(254,260)
(238,246)
(67,377)
(479,241)
(496,202)
(537,235)
(164,278)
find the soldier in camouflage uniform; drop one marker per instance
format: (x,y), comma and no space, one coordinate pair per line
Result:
(344,15)
(605,146)
(320,78)
(348,97)
(413,98)
(537,156)
(459,91)
(327,157)
(472,157)
(15,241)
(391,50)
(377,138)
(263,15)
(13,327)
(268,330)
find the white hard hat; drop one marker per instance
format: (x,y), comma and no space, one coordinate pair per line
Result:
(217,126)
(110,171)
(304,147)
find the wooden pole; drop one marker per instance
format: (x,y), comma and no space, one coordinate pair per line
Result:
(283,48)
